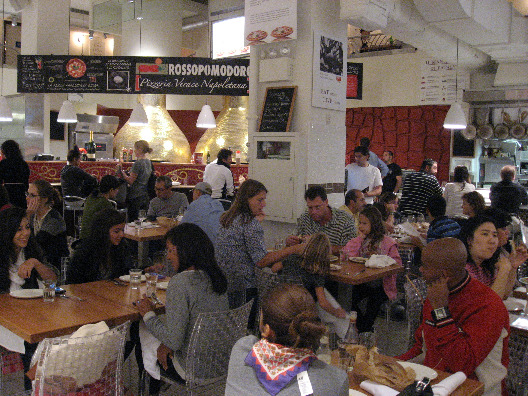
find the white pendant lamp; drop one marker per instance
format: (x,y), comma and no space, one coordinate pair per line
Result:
(67,113)
(206,119)
(455,117)
(138,116)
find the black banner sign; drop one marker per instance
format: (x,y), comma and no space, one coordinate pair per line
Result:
(132,75)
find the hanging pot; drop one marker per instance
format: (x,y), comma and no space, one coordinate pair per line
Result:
(484,130)
(470,132)
(502,130)
(518,129)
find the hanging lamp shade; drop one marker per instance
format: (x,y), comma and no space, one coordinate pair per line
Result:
(5,111)
(206,118)
(455,117)
(138,116)
(67,112)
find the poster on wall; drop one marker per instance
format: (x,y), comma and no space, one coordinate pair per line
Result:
(269,21)
(354,89)
(132,75)
(438,82)
(329,81)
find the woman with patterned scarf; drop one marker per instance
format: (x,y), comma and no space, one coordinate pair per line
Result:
(291,331)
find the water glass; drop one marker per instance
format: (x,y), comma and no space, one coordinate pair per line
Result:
(367,339)
(343,256)
(279,244)
(49,290)
(135,277)
(152,281)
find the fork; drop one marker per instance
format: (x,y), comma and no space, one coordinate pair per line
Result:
(74,297)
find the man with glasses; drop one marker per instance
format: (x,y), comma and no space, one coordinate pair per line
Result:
(167,203)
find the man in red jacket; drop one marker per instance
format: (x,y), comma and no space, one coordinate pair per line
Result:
(465,325)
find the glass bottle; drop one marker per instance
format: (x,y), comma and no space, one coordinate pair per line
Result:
(90,149)
(208,159)
(324,353)
(352,335)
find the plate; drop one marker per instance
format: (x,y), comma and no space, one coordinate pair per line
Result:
(362,260)
(27,293)
(333,258)
(176,183)
(421,370)
(162,285)
(126,278)
(352,392)
(335,267)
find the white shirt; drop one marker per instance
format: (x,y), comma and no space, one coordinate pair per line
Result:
(361,177)
(16,281)
(219,176)
(453,195)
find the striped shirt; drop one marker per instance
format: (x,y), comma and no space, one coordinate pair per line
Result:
(418,187)
(442,227)
(340,229)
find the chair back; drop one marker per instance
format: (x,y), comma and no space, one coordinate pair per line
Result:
(72,202)
(84,365)
(213,336)
(517,378)
(415,293)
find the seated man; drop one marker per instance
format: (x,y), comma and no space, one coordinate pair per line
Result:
(465,325)
(441,226)
(508,195)
(320,217)
(167,202)
(204,211)
(354,203)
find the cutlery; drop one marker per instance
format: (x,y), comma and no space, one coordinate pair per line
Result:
(118,282)
(359,272)
(74,297)
(156,299)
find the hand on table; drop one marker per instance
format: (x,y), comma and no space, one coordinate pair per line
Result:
(163,353)
(438,293)
(144,305)
(293,240)
(24,271)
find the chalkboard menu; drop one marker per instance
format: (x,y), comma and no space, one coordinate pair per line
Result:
(277,109)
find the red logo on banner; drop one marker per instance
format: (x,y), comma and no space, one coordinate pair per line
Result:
(148,68)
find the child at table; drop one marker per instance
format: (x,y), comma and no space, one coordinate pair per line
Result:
(312,268)
(372,240)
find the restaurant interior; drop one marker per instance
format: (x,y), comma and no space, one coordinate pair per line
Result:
(419,60)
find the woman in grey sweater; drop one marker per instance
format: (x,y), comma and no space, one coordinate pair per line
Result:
(290,331)
(199,286)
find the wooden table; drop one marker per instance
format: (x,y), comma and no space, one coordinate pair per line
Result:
(349,273)
(33,319)
(143,237)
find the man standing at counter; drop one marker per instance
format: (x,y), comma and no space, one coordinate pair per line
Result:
(418,188)
(506,194)
(219,175)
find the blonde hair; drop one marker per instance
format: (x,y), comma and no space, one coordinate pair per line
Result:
(316,258)
(143,146)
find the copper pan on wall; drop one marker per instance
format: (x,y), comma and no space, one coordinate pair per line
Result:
(518,129)
(502,129)
(482,116)
(470,132)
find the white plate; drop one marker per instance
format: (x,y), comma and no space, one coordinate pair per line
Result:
(513,304)
(420,370)
(126,278)
(27,293)
(358,259)
(335,267)
(163,285)
(352,392)
(333,258)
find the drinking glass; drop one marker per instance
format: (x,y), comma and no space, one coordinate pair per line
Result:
(367,339)
(135,277)
(142,216)
(279,244)
(49,290)
(152,281)
(343,256)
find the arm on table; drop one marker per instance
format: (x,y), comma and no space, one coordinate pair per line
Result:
(273,257)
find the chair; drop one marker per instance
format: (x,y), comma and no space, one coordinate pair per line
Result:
(84,365)
(415,293)
(214,335)
(74,204)
(517,378)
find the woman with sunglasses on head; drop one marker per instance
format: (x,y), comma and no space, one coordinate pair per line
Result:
(47,224)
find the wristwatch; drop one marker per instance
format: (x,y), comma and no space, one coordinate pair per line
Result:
(440,313)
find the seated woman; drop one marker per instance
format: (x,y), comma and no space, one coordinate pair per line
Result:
(372,240)
(290,332)
(453,192)
(473,204)
(312,268)
(47,224)
(104,254)
(98,200)
(199,286)
(21,263)
(485,261)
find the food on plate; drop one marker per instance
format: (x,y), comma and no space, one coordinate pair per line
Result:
(362,260)
(335,267)
(257,35)
(333,258)
(76,68)
(369,364)
(282,31)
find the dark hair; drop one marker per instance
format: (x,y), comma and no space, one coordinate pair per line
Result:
(436,204)
(240,206)
(166,180)
(461,175)
(390,153)
(289,310)
(501,218)
(46,190)
(468,231)
(351,195)
(314,192)
(10,220)
(476,201)
(108,182)
(382,209)
(362,150)
(73,154)
(365,142)
(195,249)
(428,162)
(223,154)
(4,196)
(11,150)
(377,229)
(388,196)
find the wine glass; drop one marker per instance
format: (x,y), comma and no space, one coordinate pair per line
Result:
(142,216)
(524,281)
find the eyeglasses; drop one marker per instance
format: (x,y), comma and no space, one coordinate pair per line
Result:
(160,189)
(32,195)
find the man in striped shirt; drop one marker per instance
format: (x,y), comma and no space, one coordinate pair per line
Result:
(320,217)
(418,187)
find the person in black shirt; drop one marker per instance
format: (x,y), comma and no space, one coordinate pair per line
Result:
(506,194)
(14,173)
(392,182)
(75,181)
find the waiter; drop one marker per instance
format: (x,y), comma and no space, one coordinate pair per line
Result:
(218,175)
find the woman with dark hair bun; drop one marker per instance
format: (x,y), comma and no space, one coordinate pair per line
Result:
(14,173)
(454,191)
(75,181)
(47,224)
(291,331)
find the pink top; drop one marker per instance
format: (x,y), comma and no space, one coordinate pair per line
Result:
(388,247)
(476,271)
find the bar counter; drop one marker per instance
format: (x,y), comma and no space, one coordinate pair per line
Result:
(187,174)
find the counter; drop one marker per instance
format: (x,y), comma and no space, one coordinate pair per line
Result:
(188,174)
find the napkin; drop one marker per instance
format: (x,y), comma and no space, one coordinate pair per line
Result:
(449,384)
(379,261)
(377,389)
